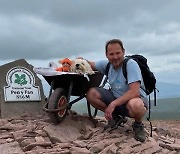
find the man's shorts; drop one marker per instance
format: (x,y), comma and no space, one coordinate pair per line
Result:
(107,97)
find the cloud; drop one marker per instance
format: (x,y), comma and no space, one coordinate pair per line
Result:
(43,30)
(47,29)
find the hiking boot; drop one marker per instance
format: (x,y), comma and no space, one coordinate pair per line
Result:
(139,132)
(115,122)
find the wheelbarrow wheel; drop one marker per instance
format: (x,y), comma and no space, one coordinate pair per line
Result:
(57,100)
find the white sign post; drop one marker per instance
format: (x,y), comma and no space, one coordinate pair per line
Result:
(21,86)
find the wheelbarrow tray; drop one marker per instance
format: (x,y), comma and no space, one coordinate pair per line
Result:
(81,83)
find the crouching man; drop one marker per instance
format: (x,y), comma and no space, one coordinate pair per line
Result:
(125,98)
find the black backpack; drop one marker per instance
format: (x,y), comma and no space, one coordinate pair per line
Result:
(148,77)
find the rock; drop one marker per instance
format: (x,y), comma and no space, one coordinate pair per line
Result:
(3,122)
(77,134)
(27,142)
(170,146)
(78,150)
(19,135)
(35,144)
(9,140)
(9,148)
(112,149)
(60,134)
(5,136)
(79,143)
(63,145)
(39,139)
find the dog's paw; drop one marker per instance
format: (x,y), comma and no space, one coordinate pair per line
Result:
(90,72)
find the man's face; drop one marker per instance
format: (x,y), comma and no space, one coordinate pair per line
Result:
(115,54)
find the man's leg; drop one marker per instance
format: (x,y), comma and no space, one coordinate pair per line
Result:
(94,98)
(100,98)
(137,110)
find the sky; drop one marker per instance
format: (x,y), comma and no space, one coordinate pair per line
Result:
(41,31)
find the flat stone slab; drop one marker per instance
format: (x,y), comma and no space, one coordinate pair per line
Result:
(10,148)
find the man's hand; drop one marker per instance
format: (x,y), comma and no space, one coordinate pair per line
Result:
(108,112)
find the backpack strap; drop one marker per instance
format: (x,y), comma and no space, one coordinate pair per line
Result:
(124,67)
(107,68)
(149,116)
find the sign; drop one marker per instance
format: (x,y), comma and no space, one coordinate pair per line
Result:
(21,85)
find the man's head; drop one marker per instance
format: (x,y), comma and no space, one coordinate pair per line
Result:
(114,41)
(115,52)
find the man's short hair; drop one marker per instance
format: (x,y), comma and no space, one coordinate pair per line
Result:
(114,41)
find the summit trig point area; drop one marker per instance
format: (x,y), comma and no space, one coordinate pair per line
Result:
(21,90)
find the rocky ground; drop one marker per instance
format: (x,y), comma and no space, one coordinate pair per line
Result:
(77,135)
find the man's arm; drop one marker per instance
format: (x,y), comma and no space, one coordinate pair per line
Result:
(133,92)
(92,64)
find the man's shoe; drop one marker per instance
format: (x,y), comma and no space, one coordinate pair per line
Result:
(140,134)
(115,122)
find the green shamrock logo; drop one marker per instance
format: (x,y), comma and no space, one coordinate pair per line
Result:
(20,79)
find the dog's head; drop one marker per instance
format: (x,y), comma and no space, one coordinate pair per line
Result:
(78,65)
(81,66)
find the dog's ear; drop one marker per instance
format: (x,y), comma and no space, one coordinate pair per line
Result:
(72,67)
(72,62)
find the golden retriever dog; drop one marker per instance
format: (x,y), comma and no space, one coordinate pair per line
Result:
(81,66)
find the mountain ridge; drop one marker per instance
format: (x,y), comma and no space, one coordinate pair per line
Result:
(167,90)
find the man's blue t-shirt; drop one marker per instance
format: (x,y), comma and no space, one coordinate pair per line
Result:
(117,80)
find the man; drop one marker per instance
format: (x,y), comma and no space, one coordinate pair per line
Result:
(125,98)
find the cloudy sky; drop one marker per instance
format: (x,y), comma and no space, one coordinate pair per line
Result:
(41,31)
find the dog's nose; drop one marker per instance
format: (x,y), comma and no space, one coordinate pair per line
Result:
(77,65)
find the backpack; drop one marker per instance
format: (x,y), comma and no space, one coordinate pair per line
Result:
(148,77)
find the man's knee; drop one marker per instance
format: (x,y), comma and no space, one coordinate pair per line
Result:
(136,103)
(136,106)
(92,93)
